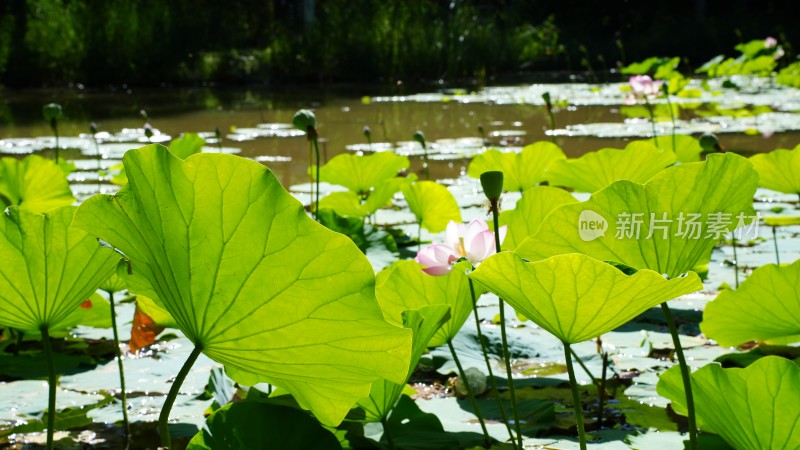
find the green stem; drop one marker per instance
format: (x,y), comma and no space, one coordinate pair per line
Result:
(602,390)
(311,177)
(163,419)
(120,366)
(55,131)
(775,241)
(583,366)
(486,439)
(99,165)
(20,337)
(687,383)
(316,194)
(652,119)
(576,398)
(506,355)
(388,435)
(735,262)
(51,384)
(671,115)
(492,379)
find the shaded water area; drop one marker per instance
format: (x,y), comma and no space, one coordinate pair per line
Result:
(342,113)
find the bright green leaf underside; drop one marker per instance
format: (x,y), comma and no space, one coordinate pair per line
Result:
(754,408)
(779,170)
(247,275)
(524,220)
(575,297)
(34,183)
(638,162)
(685,147)
(723,185)
(765,308)
(48,269)
(360,174)
(432,204)
(520,170)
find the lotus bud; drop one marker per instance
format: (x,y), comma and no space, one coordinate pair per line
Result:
(492,183)
(305,120)
(148,130)
(51,113)
(547,100)
(420,137)
(93,128)
(217,133)
(710,143)
(482,131)
(367,133)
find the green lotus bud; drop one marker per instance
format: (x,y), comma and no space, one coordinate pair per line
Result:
(305,120)
(93,128)
(420,137)
(709,142)
(492,183)
(51,111)
(367,132)
(547,100)
(148,130)
(217,133)
(481,131)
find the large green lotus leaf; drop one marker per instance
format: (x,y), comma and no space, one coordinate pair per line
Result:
(432,204)
(717,190)
(779,170)
(361,174)
(686,147)
(48,268)
(257,425)
(34,183)
(536,203)
(637,162)
(575,297)
(754,408)
(249,277)
(186,145)
(520,170)
(404,286)
(350,204)
(765,308)
(424,324)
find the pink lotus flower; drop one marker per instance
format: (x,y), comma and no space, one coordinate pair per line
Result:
(645,87)
(474,241)
(770,42)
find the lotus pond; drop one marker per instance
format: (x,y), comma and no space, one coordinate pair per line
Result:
(646,295)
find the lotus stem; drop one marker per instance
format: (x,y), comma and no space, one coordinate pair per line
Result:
(316,187)
(506,355)
(124,395)
(387,434)
(665,88)
(775,241)
(20,336)
(602,390)
(735,262)
(51,385)
(687,382)
(311,177)
(485,352)
(486,439)
(163,419)
(576,398)
(583,366)
(54,124)
(652,119)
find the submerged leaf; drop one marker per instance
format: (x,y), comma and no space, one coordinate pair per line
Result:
(34,183)
(638,162)
(670,224)
(48,268)
(250,278)
(754,408)
(575,297)
(432,204)
(779,170)
(524,220)
(520,170)
(765,308)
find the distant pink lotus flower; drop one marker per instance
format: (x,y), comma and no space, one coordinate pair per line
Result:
(770,42)
(643,86)
(474,241)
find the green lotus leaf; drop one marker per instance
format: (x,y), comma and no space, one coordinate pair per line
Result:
(754,408)
(404,286)
(49,268)
(186,145)
(116,282)
(688,208)
(765,308)
(781,221)
(432,204)
(249,278)
(34,183)
(361,174)
(575,297)
(779,170)
(686,147)
(520,170)
(350,204)
(638,162)
(424,324)
(524,220)
(254,425)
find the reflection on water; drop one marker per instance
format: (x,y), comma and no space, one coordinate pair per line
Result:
(342,115)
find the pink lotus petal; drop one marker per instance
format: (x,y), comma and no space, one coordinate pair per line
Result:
(437,258)
(770,42)
(453,233)
(481,247)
